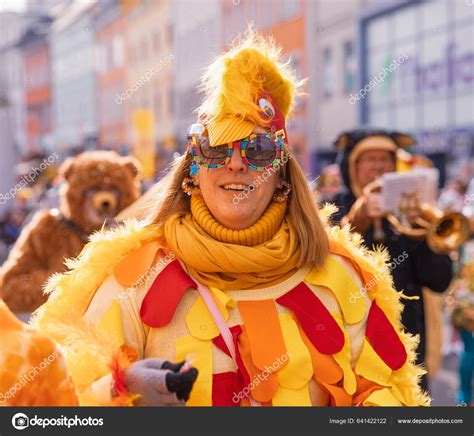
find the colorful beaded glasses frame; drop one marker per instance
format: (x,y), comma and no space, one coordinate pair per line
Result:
(259,151)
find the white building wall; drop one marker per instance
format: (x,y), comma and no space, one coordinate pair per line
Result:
(331,24)
(12,77)
(197,41)
(73,79)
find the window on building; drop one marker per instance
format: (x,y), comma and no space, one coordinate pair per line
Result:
(118,51)
(240,17)
(349,67)
(156,104)
(165,104)
(253,13)
(169,31)
(328,72)
(268,9)
(100,58)
(227,24)
(289,9)
(171,109)
(144,48)
(137,54)
(156,42)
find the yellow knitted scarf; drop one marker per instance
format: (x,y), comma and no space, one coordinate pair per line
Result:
(262,255)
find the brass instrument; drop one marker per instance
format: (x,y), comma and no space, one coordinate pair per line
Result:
(444,231)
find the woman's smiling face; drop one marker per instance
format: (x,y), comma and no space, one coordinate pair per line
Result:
(227,193)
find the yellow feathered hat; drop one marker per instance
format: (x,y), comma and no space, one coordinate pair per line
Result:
(249,85)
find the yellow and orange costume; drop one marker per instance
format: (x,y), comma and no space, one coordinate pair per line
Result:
(345,345)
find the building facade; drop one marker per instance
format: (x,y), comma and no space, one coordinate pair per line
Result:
(429,91)
(332,58)
(111,34)
(73,62)
(197,39)
(150,80)
(36,58)
(12,75)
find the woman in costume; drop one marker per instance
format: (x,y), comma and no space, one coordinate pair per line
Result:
(235,273)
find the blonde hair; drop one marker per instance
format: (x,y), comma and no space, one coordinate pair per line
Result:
(167,198)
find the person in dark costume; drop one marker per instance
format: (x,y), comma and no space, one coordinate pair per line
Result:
(365,155)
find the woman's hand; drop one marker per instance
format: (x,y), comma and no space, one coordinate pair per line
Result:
(160,383)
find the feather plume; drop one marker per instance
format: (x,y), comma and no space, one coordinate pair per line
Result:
(233,83)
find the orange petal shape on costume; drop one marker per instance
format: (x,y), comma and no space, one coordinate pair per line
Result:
(364,389)
(339,397)
(136,264)
(262,326)
(325,368)
(263,385)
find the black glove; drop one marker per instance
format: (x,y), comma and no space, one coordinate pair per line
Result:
(159,382)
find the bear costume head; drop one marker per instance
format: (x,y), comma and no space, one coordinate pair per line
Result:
(98,185)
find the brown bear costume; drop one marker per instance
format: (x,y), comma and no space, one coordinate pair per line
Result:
(98,185)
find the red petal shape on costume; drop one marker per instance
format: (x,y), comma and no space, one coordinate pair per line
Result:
(225,388)
(384,339)
(316,321)
(164,295)
(243,378)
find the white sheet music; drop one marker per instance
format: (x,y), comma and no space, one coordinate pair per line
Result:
(422,181)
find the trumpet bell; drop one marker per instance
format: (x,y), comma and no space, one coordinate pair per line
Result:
(444,231)
(448,233)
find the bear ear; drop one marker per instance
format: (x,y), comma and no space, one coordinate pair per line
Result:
(67,168)
(343,140)
(403,140)
(134,166)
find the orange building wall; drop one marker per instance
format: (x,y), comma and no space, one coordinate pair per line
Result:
(109,83)
(38,93)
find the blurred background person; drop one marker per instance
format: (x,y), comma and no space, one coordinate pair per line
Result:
(328,183)
(12,224)
(453,195)
(460,304)
(367,154)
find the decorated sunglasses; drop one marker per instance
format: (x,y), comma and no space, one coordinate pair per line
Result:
(259,151)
